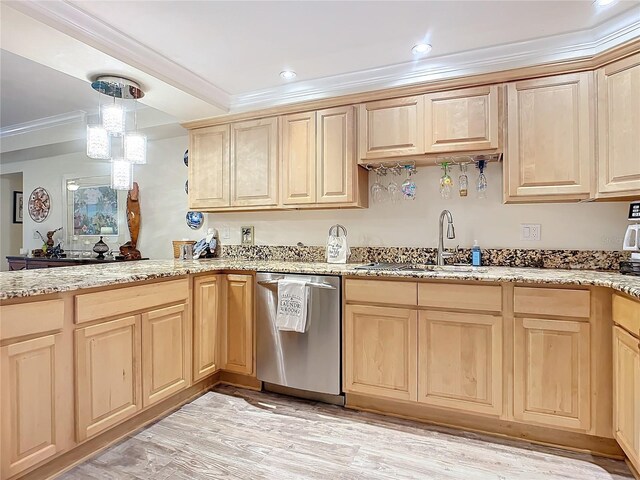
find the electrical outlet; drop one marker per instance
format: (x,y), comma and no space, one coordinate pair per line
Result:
(224,233)
(530,232)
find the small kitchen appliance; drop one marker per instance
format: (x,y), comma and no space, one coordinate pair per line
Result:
(631,242)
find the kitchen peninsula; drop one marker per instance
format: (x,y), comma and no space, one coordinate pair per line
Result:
(539,354)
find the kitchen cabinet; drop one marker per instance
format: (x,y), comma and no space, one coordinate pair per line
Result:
(380,351)
(166,353)
(254,163)
(626,393)
(299,158)
(108,374)
(239,344)
(209,167)
(33,400)
(460,361)
(462,120)
(550,131)
(391,128)
(207,311)
(618,128)
(552,372)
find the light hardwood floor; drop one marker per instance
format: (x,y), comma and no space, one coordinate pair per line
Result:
(233,433)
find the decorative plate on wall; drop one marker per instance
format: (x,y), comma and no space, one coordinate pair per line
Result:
(186,187)
(39,205)
(195,219)
(186,157)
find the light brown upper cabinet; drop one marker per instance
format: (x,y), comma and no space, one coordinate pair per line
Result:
(391,128)
(619,128)
(209,167)
(462,120)
(319,167)
(550,147)
(299,158)
(254,163)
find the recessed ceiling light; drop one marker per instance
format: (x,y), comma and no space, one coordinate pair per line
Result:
(288,74)
(421,49)
(604,3)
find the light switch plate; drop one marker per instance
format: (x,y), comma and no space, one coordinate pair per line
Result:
(530,232)
(224,233)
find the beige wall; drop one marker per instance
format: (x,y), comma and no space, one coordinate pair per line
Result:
(10,233)
(408,223)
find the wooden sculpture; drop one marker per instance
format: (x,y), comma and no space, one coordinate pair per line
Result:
(129,251)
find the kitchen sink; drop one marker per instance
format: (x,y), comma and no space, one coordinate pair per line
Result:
(412,267)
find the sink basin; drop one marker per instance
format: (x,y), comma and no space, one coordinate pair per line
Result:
(409,267)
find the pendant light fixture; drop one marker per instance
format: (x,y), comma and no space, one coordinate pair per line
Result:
(113,128)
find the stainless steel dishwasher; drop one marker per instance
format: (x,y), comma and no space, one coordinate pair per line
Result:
(301,364)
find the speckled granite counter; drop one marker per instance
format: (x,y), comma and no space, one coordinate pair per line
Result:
(26,283)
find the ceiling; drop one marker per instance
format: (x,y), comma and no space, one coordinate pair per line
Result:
(197,59)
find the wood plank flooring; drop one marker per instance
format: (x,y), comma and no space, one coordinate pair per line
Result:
(232,433)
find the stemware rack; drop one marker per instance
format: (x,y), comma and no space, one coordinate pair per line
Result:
(389,167)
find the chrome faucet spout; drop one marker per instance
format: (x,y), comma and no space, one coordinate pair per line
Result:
(451,234)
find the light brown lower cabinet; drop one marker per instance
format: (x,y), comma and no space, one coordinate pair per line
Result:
(207,308)
(460,361)
(32,403)
(166,362)
(380,351)
(108,374)
(239,324)
(552,373)
(626,393)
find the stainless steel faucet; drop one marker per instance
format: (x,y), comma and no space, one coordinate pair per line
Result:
(451,234)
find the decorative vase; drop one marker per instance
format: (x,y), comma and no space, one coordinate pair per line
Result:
(100,248)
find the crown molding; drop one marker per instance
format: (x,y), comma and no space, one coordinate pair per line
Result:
(41,123)
(77,23)
(559,48)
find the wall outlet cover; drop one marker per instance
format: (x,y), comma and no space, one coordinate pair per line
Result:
(224,233)
(530,232)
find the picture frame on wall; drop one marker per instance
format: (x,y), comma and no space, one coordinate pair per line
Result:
(247,235)
(18,207)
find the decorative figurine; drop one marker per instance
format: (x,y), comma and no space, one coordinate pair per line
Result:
(100,248)
(48,249)
(128,251)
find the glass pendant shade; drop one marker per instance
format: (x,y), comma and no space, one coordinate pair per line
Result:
(98,143)
(135,148)
(113,118)
(121,174)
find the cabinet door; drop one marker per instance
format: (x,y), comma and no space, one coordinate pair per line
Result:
(460,361)
(108,386)
(239,324)
(380,351)
(550,138)
(552,373)
(206,312)
(209,167)
(462,120)
(336,175)
(32,403)
(254,163)
(618,128)
(391,128)
(298,158)
(165,360)
(626,393)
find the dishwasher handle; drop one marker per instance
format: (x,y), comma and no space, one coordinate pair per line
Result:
(326,286)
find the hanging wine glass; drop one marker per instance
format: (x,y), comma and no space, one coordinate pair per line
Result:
(481,185)
(393,188)
(408,187)
(446,182)
(463,181)
(378,191)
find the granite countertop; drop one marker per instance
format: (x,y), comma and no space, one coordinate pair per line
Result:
(26,283)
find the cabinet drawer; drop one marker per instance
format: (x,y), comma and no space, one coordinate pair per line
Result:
(93,306)
(462,297)
(626,313)
(30,318)
(552,301)
(381,291)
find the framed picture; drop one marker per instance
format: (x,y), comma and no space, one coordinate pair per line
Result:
(246,234)
(94,209)
(18,207)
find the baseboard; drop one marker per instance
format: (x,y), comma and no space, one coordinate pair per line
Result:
(575,441)
(67,460)
(240,380)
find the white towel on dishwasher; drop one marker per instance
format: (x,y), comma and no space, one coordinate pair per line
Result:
(293,301)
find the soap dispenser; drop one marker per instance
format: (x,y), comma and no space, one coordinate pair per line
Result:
(476,254)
